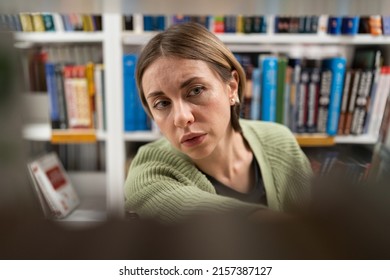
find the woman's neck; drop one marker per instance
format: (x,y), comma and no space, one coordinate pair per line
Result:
(231,158)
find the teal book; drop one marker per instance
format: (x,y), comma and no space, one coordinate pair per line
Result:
(337,65)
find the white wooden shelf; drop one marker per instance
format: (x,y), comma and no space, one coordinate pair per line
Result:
(358,139)
(42,132)
(133,38)
(59,37)
(141,136)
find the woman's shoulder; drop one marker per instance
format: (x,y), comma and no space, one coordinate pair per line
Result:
(158,151)
(266,130)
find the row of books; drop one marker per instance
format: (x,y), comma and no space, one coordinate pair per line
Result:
(76,95)
(317,95)
(335,25)
(33,61)
(218,24)
(50,22)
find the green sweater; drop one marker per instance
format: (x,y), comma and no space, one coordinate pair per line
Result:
(163,183)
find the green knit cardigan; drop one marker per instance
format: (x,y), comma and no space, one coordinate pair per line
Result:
(163,183)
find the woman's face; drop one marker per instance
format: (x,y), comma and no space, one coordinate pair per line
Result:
(190,104)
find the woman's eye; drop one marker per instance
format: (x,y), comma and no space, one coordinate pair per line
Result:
(196,91)
(161,104)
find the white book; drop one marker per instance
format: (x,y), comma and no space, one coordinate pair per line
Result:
(53,186)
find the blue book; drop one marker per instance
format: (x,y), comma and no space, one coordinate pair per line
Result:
(53,94)
(135,117)
(154,23)
(334,25)
(130,91)
(269,69)
(386,25)
(337,66)
(350,25)
(256,94)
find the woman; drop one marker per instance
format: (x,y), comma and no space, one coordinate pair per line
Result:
(209,160)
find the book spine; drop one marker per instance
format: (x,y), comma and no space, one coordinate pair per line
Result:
(323,101)
(256,94)
(380,103)
(61,96)
(337,66)
(129,63)
(361,106)
(269,65)
(26,22)
(48,22)
(128,22)
(37,21)
(302,99)
(286,96)
(53,95)
(372,97)
(295,64)
(313,95)
(281,78)
(344,103)
(352,100)
(99,96)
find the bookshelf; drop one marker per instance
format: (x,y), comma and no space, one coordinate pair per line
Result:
(114,42)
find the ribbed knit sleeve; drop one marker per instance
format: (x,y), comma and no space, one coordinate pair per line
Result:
(164,185)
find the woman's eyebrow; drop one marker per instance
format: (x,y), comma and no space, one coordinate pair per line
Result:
(188,82)
(154,94)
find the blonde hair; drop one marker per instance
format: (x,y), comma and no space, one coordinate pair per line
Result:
(192,41)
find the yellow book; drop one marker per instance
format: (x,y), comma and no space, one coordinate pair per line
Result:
(90,77)
(37,22)
(26,22)
(240,24)
(87,23)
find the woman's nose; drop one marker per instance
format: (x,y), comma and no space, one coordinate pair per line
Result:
(183,115)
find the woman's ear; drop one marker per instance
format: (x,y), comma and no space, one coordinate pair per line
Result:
(233,85)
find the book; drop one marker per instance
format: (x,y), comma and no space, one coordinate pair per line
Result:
(375,25)
(334,25)
(323,100)
(135,117)
(313,94)
(54,189)
(280,88)
(295,64)
(352,101)
(48,22)
(26,22)
(128,22)
(255,112)
(38,24)
(345,99)
(99,97)
(53,95)
(269,68)
(386,25)
(301,99)
(350,25)
(337,65)
(360,111)
(380,101)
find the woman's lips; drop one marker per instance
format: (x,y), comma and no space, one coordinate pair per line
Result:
(193,140)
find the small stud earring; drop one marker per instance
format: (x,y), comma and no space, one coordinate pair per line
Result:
(232,101)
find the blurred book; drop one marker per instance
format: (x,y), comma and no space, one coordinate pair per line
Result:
(54,189)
